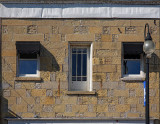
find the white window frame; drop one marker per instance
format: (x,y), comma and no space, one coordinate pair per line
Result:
(89,46)
(140,76)
(29,75)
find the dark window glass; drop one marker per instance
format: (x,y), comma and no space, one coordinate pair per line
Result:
(78,78)
(73,64)
(74,50)
(73,78)
(131,66)
(84,64)
(28,56)
(84,78)
(79,65)
(84,50)
(27,66)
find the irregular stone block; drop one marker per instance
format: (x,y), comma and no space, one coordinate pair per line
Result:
(81,29)
(47,108)
(32,29)
(6,93)
(49,93)
(68,108)
(106,30)
(111,108)
(30,108)
(130,30)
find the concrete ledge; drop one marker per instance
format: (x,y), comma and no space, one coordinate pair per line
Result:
(28,79)
(131,79)
(77,119)
(81,92)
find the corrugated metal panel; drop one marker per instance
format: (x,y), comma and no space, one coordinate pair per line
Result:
(142,2)
(78,11)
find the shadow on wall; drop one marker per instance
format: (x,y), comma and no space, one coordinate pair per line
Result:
(48,61)
(154,63)
(6,111)
(154,66)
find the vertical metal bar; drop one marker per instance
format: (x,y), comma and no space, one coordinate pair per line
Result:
(147,92)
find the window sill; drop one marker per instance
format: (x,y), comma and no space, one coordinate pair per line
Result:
(27,79)
(133,79)
(81,92)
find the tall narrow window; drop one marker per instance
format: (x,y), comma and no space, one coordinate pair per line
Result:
(79,68)
(132,60)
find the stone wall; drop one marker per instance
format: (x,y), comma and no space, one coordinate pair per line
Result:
(114,98)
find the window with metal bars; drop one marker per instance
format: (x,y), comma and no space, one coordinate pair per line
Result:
(80,67)
(79,64)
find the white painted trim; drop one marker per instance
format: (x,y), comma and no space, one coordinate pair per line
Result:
(89,46)
(140,76)
(78,11)
(79,122)
(91,55)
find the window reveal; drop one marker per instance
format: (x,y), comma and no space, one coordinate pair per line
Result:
(132,59)
(28,59)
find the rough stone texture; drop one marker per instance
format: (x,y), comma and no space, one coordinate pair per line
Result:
(47,97)
(30,108)
(28,93)
(6,93)
(47,108)
(80,29)
(32,29)
(37,100)
(68,108)
(49,93)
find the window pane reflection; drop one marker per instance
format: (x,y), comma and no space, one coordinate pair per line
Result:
(131,66)
(27,66)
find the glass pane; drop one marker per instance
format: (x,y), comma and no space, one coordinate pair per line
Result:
(27,66)
(74,50)
(84,50)
(132,67)
(78,78)
(73,78)
(79,50)
(84,73)
(79,65)
(84,78)
(73,64)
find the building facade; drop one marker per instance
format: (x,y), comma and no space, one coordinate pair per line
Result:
(77,63)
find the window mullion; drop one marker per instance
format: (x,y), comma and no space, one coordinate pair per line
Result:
(76,64)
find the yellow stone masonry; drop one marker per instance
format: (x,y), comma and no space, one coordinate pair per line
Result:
(46,97)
